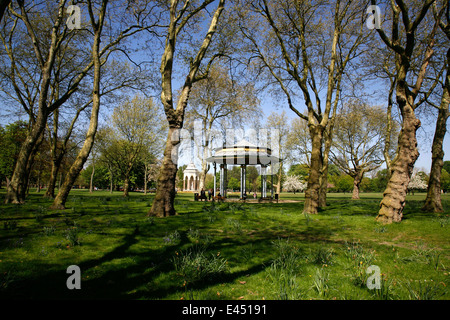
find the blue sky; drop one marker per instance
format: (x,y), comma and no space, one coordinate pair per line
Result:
(424,134)
(268,105)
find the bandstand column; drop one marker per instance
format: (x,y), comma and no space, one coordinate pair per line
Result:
(214,191)
(271,179)
(222,179)
(225,178)
(263,182)
(243,180)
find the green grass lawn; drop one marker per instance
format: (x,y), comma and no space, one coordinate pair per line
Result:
(221,251)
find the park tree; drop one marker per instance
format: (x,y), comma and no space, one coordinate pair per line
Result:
(298,142)
(445,180)
(29,78)
(446,165)
(299,170)
(306,47)
(405,20)
(64,125)
(277,122)
(181,15)
(417,181)
(134,136)
(357,150)
(77,166)
(293,183)
(101,48)
(11,138)
(43,79)
(218,96)
(433,200)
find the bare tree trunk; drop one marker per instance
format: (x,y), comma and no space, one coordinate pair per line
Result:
(203,172)
(17,186)
(323,184)
(325,161)
(163,204)
(433,200)
(394,197)
(50,192)
(110,179)
(38,188)
(91,182)
(313,189)
(146,178)
(387,141)
(77,166)
(126,186)
(357,183)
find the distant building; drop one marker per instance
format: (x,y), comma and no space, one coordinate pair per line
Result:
(191,178)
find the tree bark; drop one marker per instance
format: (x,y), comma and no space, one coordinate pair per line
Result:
(17,186)
(387,141)
(110,180)
(433,200)
(126,186)
(279,177)
(163,204)
(313,189)
(325,159)
(77,166)
(323,183)
(357,183)
(145,178)
(56,163)
(394,197)
(91,182)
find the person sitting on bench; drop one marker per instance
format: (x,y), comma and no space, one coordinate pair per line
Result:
(203,195)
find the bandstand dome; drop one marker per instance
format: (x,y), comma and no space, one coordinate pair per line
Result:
(243,153)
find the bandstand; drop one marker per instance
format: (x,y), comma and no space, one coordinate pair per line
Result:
(243,154)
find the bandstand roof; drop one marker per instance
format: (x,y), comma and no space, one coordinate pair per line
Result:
(244,152)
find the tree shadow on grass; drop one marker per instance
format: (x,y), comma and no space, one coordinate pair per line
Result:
(151,276)
(127,272)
